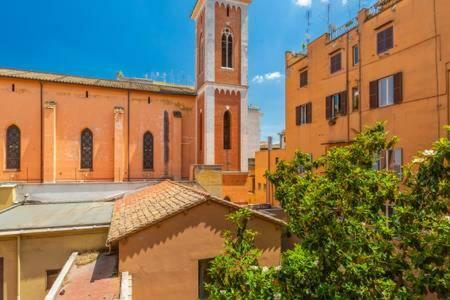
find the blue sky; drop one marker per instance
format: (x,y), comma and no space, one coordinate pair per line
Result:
(98,38)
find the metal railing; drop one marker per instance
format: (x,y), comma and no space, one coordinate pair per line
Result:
(335,33)
(379,7)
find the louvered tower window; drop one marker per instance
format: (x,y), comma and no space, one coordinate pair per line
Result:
(148,151)
(13,148)
(87,149)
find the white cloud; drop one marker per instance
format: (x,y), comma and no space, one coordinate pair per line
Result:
(344,2)
(303,2)
(267,77)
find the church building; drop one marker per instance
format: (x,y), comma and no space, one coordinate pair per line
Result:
(60,128)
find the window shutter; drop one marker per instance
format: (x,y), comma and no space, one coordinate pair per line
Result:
(328,108)
(389,38)
(398,88)
(344,103)
(309,113)
(297,115)
(373,94)
(380,42)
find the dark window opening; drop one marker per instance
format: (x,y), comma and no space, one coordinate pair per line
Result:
(13,148)
(148,151)
(13,88)
(304,114)
(355,99)
(87,94)
(227,130)
(51,278)
(355,55)
(227,49)
(201,131)
(149,100)
(203,277)
(336,63)
(228,11)
(166,137)
(304,78)
(87,149)
(385,40)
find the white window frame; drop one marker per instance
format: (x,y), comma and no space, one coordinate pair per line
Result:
(386,98)
(355,55)
(335,105)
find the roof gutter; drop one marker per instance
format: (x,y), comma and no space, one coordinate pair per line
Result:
(51,230)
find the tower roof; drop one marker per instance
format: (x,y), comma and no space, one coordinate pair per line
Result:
(199,4)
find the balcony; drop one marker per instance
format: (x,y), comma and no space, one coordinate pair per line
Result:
(336,33)
(379,7)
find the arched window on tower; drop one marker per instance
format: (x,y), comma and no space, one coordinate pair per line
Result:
(166,137)
(227,48)
(148,151)
(13,148)
(201,54)
(87,149)
(227,130)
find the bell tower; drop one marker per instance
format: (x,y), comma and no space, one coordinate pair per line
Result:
(222,82)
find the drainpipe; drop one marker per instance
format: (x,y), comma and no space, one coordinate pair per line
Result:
(42,129)
(360,73)
(347,86)
(18,267)
(128,138)
(438,104)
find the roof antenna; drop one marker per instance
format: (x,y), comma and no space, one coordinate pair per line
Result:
(308,28)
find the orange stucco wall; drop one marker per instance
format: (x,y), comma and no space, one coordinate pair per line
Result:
(262,165)
(421,52)
(163,259)
(117,146)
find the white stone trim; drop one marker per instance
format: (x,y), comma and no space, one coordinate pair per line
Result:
(126,286)
(244,134)
(244,45)
(209,124)
(53,293)
(210,41)
(233,3)
(223,87)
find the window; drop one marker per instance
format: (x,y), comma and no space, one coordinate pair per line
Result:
(227,48)
(385,40)
(87,145)
(13,87)
(148,151)
(301,169)
(13,148)
(391,160)
(259,186)
(386,91)
(203,277)
(227,130)
(355,55)
(201,55)
(336,105)
(228,11)
(304,114)
(51,278)
(304,78)
(336,62)
(166,137)
(201,131)
(355,99)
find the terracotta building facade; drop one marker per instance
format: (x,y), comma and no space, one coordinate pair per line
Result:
(62,128)
(391,63)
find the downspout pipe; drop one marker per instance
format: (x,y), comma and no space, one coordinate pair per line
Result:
(438,104)
(18,266)
(42,128)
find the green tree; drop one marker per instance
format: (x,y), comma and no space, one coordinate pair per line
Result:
(236,274)
(349,248)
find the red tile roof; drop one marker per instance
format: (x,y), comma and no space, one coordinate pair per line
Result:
(155,203)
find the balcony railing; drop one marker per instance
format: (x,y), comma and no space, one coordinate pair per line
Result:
(380,6)
(334,34)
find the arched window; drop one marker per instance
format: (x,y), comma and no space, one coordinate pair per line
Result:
(227,48)
(227,130)
(201,55)
(87,149)
(166,137)
(201,130)
(148,151)
(13,148)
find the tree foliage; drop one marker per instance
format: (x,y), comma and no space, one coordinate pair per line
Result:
(349,248)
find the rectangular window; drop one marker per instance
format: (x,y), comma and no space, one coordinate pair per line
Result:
(304,78)
(304,114)
(355,55)
(391,160)
(51,278)
(386,91)
(259,186)
(336,105)
(355,99)
(203,277)
(385,40)
(336,63)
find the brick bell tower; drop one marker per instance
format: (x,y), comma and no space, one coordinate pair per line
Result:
(222,82)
